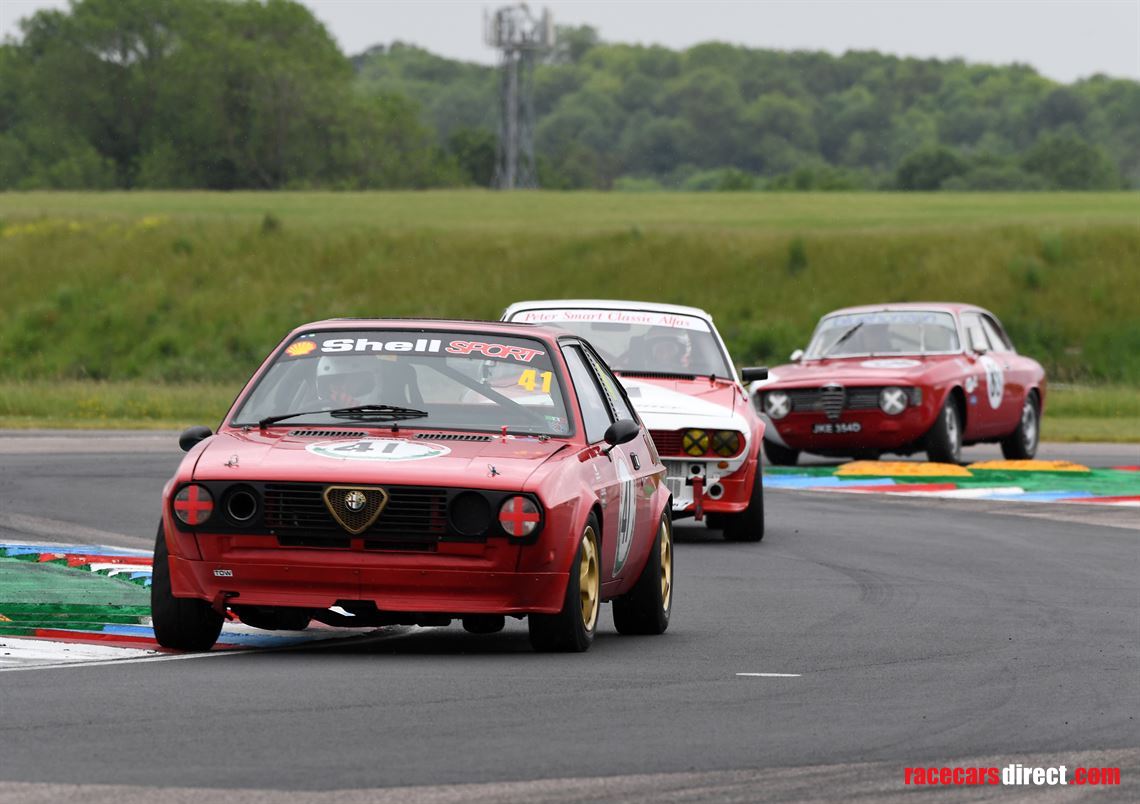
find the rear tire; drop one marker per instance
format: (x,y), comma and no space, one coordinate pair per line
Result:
(780,456)
(180,623)
(572,629)
(944,441)
(646,608)
(748,525)
(1021,444)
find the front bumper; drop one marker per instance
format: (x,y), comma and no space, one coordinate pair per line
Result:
(391,589)
(699,486)
(876,430)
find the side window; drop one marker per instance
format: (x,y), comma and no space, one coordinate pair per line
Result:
(998,340)
(612,389)
(595,411)
(972,323)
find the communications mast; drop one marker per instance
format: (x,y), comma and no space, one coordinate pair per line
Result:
(522,38)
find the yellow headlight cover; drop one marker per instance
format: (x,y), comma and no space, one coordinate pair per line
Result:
(695,443)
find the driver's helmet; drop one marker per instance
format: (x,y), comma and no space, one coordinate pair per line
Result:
(346,380)
(669,351)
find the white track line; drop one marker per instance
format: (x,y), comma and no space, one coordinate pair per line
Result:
(770,675)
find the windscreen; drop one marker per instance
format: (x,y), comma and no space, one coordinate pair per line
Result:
(635,341)
(900,332)
(460,380)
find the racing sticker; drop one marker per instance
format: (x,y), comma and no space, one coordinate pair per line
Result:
(377,449)
(995,380)
(627,512)
(899,363)
(300,348)
(640,317)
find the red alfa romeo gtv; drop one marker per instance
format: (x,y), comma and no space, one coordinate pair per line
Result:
(383,472)
(903,378)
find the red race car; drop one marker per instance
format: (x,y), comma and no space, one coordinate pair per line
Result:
(903,378)
(384,472)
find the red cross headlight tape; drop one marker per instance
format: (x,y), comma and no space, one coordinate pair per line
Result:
(193,505)
(519,516)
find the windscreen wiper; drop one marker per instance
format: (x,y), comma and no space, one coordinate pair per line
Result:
(358,413)
(841,339)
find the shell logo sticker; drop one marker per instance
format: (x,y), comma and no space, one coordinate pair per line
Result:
(377,449)
(995,380)
(300,348)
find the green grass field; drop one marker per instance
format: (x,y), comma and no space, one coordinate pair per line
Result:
(152,291)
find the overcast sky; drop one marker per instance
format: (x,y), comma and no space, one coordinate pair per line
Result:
(1063,39)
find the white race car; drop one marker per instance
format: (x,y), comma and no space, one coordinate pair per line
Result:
(677,373)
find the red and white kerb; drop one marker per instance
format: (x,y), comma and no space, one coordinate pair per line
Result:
(193,505)
(518,516)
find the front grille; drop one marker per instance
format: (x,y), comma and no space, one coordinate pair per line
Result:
(668,442)
(454,437)
(299,510)
(831,398)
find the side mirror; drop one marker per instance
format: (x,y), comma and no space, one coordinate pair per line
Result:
(754,374)
(621,431)
(796,355)
(978,341)
(192,435)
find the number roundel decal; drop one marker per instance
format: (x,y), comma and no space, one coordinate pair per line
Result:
(995,381)
(377,449)
(627,511)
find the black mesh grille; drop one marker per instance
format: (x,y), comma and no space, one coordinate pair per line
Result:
(298,509)
(453,437)
(327,433)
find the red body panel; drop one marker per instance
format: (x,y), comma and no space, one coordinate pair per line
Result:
(492,576)
(991,411)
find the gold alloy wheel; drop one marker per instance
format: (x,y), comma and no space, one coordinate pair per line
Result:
(666,534)
(589,579)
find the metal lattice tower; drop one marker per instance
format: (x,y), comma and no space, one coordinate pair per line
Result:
(522,38)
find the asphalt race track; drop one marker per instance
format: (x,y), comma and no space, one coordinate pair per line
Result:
(862,636)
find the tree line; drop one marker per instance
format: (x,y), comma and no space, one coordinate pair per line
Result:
(255,94)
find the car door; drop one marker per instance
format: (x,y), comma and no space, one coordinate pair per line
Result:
(638,460)
(601,469)
(985,382)
(1014,371)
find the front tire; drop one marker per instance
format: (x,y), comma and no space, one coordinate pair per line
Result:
(646,608)
(944,441)
(748,525)
(780,456)
(1021,444)
(572,629)
(179,623)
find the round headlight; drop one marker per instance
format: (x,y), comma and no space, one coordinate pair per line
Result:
(519,516)
(726,443)
(777,404)
(193,505)
(892,400)
(695,443)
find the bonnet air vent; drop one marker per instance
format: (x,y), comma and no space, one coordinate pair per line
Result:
(327,433)
(453,437)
